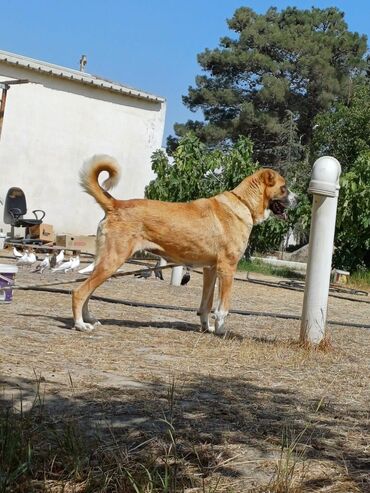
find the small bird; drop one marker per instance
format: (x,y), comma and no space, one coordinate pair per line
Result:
(185,278)
(144,274)
(63,267)
(60,257)
(32,257)
(28,258)
(45,264)
(87,269)
(75,263)
(23,260)
(16,253)
(158,272)
(69,266)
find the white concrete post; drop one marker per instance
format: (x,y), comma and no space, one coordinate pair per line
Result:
(324,186)
(176,275)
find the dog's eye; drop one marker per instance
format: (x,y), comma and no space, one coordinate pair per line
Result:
(283,189)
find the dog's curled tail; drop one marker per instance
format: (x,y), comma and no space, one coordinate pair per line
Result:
(89,175)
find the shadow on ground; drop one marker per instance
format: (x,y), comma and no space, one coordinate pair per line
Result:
(187,432)
(67,323)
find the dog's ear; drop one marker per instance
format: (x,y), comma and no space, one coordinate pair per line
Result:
(269,177)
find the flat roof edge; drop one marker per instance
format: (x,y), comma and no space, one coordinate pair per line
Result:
(76,76)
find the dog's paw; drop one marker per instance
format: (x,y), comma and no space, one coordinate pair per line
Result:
(206,328)
(220,329)
(84,327)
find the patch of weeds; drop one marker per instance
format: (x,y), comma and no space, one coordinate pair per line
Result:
(15,448)
(39,452)
(324,346)
(290,467)
(16,431)
(360,279)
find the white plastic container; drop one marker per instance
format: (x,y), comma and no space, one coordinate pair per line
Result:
(176,275)
(7,278)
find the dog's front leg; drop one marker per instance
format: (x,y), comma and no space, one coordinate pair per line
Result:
(209,281)
(225,282)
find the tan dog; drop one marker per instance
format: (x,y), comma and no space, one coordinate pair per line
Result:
(212,233)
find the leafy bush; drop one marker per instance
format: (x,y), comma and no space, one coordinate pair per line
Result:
(344,132)
(197,171)
(353,218)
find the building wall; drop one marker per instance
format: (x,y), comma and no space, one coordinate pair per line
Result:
(52,125)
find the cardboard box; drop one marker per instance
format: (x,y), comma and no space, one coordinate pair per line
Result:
(84,243)
(339,276)
(43,232)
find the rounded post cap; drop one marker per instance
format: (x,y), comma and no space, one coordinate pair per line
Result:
(325,177)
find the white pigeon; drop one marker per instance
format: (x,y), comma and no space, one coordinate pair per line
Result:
(72,264)
(45,264)
(87,269)
(16,253)
(32,258)
(64,266)
(23,260)
(60,257)
(28,258)
(75,263)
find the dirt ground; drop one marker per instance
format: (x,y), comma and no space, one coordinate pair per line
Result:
(243,400)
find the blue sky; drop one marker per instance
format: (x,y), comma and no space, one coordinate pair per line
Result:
(150,45)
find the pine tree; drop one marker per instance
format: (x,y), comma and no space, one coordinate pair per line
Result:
(296,61)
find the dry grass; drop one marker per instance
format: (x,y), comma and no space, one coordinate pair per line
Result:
(147,403)
(360,279)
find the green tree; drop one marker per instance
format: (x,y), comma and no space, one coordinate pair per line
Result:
(293,60)
(344,130)
(288,151)
(352,240)
(195,171)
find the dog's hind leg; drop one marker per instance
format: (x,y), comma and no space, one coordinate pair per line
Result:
(109,261)
(225,275)
(209,281)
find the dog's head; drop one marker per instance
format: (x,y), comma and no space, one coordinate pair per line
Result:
(277,196)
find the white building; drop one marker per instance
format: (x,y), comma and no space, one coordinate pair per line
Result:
(55,118)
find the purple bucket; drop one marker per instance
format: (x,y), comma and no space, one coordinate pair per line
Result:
(7,277)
